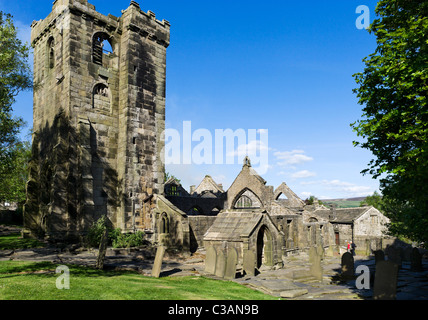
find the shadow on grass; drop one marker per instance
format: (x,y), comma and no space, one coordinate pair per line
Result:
(14,241)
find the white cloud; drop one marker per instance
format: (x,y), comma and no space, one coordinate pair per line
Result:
(303,174)
(287,158)
(251,149)
(305,195)
(348,189)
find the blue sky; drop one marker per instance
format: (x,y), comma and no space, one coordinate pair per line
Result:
(281,66)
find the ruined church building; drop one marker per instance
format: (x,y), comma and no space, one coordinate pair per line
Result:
(99,115)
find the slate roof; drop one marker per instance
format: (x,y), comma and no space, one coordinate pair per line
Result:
(343,215)
(231,225)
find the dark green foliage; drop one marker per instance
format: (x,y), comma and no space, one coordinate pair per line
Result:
(116,238)
(129,240)
(394,90)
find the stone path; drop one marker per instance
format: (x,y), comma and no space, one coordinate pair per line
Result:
(293,282)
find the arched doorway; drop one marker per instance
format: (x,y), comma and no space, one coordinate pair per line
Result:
(264,247)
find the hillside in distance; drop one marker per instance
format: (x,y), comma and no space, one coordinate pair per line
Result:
(344,203)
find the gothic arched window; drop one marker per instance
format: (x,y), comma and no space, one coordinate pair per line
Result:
(51,53)
(244,202)
(100,46)
(101,97)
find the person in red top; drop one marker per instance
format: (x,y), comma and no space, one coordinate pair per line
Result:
(349,246)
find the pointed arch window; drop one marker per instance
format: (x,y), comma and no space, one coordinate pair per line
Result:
(164,224)
(100,45)
(51,53)
(101,97)
(244,202)
(248,200)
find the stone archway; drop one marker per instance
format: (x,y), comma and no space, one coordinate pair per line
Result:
(264,247)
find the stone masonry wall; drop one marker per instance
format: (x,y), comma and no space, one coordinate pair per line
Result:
(97,125)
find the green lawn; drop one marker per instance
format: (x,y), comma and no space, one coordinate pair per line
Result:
(37,281)
(14,241)
(21,280)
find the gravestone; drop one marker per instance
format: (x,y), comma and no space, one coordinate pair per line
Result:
(210,260)
(330,251)
(157,266)
(368,247)
(379,256)
(321,251)
(220,267)
(316,269)
(385,283)
(231,263)
(250,263)
(102,250)
(312,254)
(348,270)
(394,255)
(407,253)
(416,261)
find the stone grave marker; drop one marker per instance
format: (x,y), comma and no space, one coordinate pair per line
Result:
(210,260)
(330,251)
(250,263)
(231,263)
(102,250)
(220,267)
(157,266)
(321,251)
(312,254)
(379,256)
(407,253)
(385,283)
(348,270)
(416,261)
(316,269)
(394,255)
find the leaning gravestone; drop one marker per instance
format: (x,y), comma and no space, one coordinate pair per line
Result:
(231,263)
(250,263)
(416,261)
(157,266)
(210,260)
(348,270)
(102,250)
(385,283)
(220,267)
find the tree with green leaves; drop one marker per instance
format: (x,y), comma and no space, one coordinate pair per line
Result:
(393,88)
(15,76)
(374,200)
(14,174)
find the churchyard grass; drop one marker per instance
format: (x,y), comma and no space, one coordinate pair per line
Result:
(21,280)
(15,241)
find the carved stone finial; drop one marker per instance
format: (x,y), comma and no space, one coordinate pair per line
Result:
(247,161)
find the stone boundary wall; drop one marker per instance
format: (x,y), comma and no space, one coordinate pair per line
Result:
(199,225)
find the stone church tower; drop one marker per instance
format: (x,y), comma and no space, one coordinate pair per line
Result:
(99,114)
